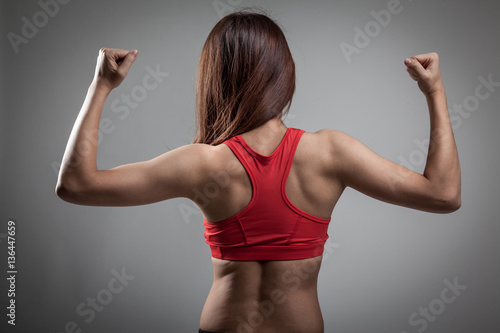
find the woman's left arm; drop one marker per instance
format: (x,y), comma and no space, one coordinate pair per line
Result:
(173,174)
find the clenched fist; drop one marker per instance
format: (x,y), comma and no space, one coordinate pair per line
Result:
(112,66)
(424,68)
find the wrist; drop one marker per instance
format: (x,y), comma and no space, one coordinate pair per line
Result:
(437,104)
(436,92)
(100,86)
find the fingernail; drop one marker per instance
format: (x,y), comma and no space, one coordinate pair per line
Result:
(134,52)
(407,61)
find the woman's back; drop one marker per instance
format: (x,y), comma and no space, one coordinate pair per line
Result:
(269,296)
(264,296)
(244,87)
(310,185)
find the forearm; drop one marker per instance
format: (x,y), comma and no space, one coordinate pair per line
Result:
(442,168)
(80,156)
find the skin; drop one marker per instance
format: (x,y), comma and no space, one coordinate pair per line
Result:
(272,296)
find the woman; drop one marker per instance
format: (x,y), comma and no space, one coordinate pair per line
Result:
(266,191)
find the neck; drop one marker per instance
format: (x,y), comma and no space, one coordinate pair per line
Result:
(271,128)
(270,131)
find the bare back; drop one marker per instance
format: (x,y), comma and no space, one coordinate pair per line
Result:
(324,164)
(270,296)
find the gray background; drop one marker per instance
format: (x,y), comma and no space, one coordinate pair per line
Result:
(382,262)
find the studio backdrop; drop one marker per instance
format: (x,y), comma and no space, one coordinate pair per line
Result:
(70,268)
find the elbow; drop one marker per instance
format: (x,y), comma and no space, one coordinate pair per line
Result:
(62,191)
(454,205)
(66,191)
(450,203)
(74,189)
(457,203)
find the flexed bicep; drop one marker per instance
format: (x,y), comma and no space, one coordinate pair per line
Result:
(170,175)
(438,189)
(362,169)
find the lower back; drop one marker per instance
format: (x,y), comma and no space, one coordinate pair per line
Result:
(264,296)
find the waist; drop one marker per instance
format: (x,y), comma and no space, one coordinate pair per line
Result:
(264,296)
(269,252)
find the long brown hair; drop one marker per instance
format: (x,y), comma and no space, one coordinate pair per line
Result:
(246,77)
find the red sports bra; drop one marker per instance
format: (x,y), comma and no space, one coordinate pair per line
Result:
(270,227)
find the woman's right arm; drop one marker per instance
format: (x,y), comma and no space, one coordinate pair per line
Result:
(438,188)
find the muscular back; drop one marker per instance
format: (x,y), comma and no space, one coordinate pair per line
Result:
(274,296)
(269,296)
(324,164)
(310,185)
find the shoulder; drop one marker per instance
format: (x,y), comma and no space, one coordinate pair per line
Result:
(198,155)
(330,141)
(334,137)
(189,167)
(330,149)
(202,160)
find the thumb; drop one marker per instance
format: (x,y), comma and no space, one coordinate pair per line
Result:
(127,62)
(414,67)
